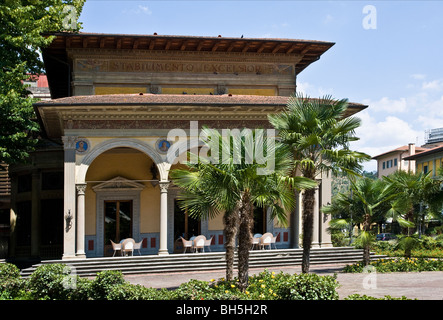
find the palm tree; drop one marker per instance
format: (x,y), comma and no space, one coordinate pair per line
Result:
(234,186)
(319,135)
(367,203)
(417,195)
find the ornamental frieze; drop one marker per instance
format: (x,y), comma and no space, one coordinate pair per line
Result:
(124,65)
(165,124)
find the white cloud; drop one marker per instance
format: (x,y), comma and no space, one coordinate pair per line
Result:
(387,105)
(139,10)
(418,76)
(390,132)
(433,85)
(313,91)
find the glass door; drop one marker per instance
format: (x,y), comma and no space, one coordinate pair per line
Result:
(118,222)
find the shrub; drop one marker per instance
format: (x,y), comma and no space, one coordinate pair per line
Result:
(128,291)
(307,286)
(52,281)
(193,290)
(398,265)
(365,297)
(104,282)
(11,283)
(263,286)
(9,271)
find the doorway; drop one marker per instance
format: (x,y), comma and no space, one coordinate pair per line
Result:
(118,222)
(259,220)
(184,225)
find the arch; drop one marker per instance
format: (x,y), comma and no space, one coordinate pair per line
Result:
(116,143)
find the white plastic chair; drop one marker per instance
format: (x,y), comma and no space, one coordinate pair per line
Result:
(116,247)
(199,243)
(256,240)
(265,240)
(186,244)
(138,246)
(274,240)
(208,243)
(128,246)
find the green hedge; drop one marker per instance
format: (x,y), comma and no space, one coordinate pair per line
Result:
(398,265)
(59,282)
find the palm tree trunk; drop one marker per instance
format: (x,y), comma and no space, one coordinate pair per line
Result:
(230,220)
(367,244)
(244,240)
(308,226)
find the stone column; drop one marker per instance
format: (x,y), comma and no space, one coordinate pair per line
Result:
(164,185)
(325,199)
(35,214)
(295,222)
(81,187)
(69,197)
(316,226)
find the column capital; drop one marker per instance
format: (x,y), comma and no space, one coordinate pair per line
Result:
(164,185)
(69,142)
(81,187)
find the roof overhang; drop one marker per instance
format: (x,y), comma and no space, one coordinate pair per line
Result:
(55,114)
(425,153)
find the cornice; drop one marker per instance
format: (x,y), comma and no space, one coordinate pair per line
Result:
(163,55)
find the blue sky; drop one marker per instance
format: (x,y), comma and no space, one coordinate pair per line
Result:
(394,64)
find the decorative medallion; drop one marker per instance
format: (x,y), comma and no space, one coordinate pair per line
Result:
(162,145)
(82,146)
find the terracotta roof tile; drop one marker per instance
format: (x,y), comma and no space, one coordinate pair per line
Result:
(172,99)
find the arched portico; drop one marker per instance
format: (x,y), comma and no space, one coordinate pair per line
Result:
(76,170)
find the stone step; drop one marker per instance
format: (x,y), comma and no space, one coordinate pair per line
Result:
(203,261)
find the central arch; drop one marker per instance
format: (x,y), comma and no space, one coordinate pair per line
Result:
(116,143)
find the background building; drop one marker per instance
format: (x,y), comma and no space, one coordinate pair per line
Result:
(394,160)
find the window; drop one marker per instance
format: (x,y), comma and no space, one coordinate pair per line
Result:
(425,169)
(384,165)
(395,162)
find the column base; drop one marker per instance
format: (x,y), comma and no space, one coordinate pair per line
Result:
(68,257)
(315,245)
(163,252)
(80,255)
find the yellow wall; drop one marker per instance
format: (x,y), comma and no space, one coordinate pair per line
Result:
(188,90)
(133,166)
(119,90)
(248,91)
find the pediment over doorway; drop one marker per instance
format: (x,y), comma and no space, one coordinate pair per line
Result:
(118,184)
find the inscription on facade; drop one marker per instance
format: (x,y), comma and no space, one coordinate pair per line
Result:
(190,67)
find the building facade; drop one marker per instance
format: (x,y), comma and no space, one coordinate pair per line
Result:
(395,160)
(429,161)
(102,170)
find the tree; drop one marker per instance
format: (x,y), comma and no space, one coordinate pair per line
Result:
(418,195)
(367,203)
(24,25)
(319,136)
(232,183)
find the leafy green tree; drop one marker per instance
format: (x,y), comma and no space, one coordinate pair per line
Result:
(418,195)
(318,134)
(24,28)
(367,202)
(229,182)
